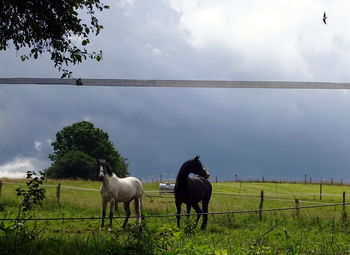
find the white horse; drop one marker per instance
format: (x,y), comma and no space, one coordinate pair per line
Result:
(114,190)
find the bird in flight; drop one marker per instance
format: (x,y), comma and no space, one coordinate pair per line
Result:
(324,18)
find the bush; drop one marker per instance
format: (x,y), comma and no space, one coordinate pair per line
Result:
(74,164)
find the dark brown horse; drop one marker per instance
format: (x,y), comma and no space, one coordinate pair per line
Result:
(193,190)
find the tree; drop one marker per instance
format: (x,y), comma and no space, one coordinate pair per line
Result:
(51,26)
(76,149)
(73,164)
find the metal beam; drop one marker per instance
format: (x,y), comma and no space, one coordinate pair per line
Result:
(176,83)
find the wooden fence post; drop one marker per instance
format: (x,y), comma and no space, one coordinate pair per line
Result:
(297,206)
(344,216)
(261,204)
(58,193)
(216,179)
(321,190)
(0,187)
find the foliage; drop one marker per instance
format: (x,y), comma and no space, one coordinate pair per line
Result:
(76,149)
(73,164)
(18,233)
(34,194)
(51,26)
(162,240)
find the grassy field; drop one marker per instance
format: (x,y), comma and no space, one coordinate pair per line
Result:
(313,231)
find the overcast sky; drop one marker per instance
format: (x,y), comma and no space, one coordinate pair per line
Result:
(279,134)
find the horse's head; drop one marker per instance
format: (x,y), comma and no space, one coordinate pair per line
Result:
(103,168)
(198,168)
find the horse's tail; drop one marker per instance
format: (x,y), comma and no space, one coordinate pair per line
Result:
(141,203)
(138,200)
(141,195)
(138,205)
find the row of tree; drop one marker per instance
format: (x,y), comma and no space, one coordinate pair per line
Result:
(76,149)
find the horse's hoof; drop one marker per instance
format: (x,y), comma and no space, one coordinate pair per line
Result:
(110,229)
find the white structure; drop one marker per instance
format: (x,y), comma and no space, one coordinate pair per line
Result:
(166,187)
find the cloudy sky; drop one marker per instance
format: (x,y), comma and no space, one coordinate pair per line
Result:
(279,134)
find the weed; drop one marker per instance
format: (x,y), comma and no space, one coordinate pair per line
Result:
(18,231)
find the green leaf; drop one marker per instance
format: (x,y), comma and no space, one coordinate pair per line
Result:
(85,42)
(48,27)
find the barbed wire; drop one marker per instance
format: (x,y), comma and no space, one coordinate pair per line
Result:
(174,215)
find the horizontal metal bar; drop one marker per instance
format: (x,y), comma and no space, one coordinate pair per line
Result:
(176,83)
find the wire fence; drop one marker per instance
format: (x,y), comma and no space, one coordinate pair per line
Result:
(169,195)
(148,193)
(174,215)
(259,211)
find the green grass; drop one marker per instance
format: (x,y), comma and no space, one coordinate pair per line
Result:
(313,231)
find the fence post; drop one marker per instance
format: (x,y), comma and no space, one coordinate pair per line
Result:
(261,204)
(216,179)
(58,193)
(0,187)
(297,206)
(344,216)
(321,190)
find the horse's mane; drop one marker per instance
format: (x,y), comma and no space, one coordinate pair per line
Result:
(109,170)
(184,170)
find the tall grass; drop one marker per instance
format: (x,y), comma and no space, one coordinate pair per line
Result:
(313,231)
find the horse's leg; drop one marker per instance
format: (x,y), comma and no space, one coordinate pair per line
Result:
(198,211)
(104,206)
(178,212)
(188,211)
(127,212)
(137,206)
(205,204)
(111,209)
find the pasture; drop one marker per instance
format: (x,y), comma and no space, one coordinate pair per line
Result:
(312,231)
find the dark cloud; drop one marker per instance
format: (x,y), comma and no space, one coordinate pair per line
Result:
(252,133)
(249,132)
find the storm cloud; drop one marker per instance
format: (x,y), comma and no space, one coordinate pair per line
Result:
(278,134)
